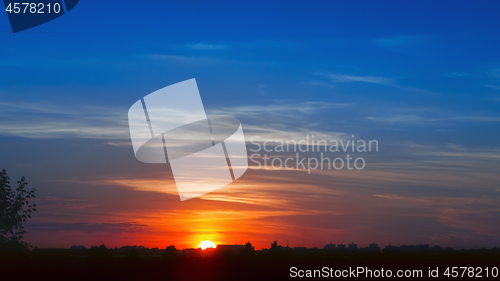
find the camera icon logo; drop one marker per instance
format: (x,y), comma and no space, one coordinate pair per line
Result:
(170,126)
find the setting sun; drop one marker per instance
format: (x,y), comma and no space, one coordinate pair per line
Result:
(206,244)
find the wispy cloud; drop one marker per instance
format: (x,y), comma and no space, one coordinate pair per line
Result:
(397,41)
(401,44)
(205,46)
(90,227)
(457,151)
(287,121)
(496,87)
(269,44)
(199,46)
(495,73)
(455,74)
(412,118)
(49,202)
(397,119)
(321,83)
(398,197)
(51,120)
(183,59)
(278,108)
(345,78)
(199,60)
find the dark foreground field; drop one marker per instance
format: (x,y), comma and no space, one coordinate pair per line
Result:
(229,266)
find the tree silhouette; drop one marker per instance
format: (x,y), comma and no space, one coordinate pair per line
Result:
(248,250)
(15,209)
(171,253)
(101,252)
(274,246)
(277,251)
(133,253)
(248,247)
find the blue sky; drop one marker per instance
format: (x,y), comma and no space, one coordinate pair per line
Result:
(421,77)
(413,61)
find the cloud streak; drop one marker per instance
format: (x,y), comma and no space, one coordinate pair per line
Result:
(205,46)
(49,120)
(116,228)
(343,78)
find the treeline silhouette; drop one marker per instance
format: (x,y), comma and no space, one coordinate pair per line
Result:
(274,251)
(229,262)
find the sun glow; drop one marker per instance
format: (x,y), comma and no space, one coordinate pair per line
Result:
(207,244)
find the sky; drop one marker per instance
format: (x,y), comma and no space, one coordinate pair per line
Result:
(420,77)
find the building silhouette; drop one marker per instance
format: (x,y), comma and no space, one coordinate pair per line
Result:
(230,248)
(330,246)
(373,248)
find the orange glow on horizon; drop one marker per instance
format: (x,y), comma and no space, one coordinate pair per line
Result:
(206,244)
